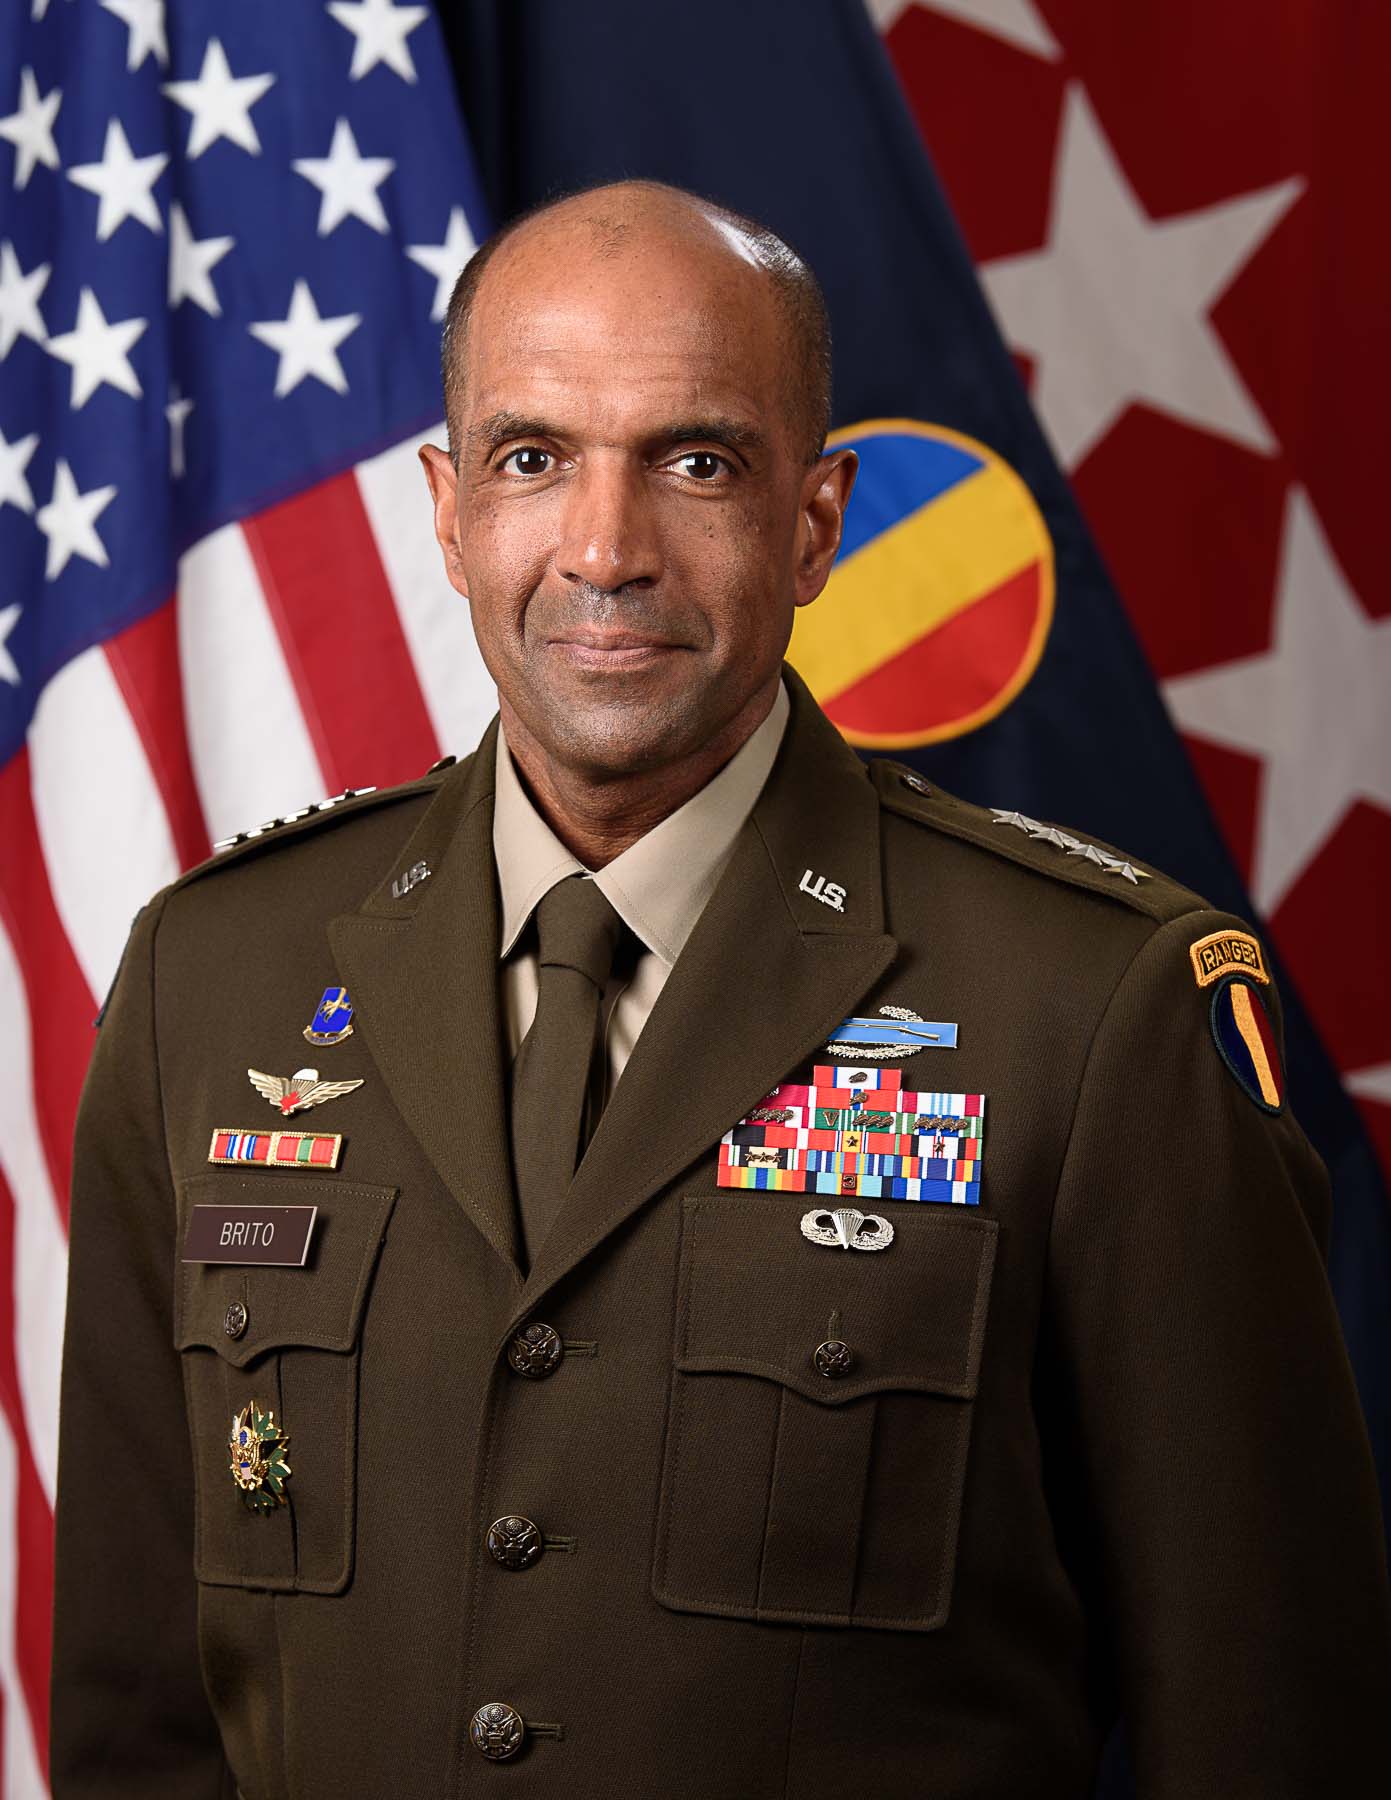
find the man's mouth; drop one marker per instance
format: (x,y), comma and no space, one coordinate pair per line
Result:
(602,650)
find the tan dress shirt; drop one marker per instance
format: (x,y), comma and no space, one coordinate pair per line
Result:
(659,886)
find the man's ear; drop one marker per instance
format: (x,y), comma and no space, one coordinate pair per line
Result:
(825,496)
(443,481)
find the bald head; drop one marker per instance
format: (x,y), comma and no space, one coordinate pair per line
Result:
(747,263)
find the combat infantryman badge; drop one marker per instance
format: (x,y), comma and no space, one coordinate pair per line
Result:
(258,1464)
(334,1019)
(301,1090)
(895,1034)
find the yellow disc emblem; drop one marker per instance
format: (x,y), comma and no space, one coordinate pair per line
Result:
(940,601)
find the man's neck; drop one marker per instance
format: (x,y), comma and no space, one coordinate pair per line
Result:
(599,816)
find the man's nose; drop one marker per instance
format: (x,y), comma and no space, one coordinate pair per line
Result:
(609,536)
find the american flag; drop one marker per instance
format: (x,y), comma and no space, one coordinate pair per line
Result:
(227,235)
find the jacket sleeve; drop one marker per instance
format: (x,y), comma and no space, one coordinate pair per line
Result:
(1215,1491)
(130,1715)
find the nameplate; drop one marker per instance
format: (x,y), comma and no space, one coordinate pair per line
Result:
(270,1236)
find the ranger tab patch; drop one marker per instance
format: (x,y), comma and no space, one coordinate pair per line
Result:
(1227,953)
(866,1138)
(1245,1038)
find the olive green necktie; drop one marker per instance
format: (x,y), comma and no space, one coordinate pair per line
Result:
(578,933)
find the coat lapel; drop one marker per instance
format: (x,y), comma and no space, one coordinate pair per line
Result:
(423,974)
(766,975)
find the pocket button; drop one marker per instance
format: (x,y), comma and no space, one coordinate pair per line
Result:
(834,1358)
(235,1319)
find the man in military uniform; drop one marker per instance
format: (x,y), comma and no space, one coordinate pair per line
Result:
(779,1285)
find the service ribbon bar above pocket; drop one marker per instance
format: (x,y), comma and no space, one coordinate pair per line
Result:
(875,1140)
(276,1149)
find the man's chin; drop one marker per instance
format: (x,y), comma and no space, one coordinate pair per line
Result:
(623,734)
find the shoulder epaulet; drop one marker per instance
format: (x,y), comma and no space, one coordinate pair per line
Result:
(1048,850)
(304,819)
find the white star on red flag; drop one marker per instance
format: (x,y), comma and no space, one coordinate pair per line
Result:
(1114,307)
(1328,661)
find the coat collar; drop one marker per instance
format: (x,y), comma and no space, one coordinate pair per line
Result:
(791,939)
(421,967)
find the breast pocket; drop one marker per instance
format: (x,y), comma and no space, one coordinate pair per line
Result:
(287,1339)
(808,1497)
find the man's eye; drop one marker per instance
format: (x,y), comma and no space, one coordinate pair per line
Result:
(701,465)
(529,461)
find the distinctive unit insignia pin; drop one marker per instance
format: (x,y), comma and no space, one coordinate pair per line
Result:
(896,1033)
(851,1229)
(301,1090)
(258,1447)
(334,1019)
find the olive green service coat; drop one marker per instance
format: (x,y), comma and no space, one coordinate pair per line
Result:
(1099,1447)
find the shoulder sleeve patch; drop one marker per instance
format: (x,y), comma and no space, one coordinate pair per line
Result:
(1245,1039)
(1227,953)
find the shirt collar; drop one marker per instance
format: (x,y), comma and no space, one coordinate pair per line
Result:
(659,886)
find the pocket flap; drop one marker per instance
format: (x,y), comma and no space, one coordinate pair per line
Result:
(319,1305)
(757,1298)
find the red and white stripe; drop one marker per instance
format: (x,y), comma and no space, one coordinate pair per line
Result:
(314,647)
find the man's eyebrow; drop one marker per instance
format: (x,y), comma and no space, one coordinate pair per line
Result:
(734,434)
(499,427)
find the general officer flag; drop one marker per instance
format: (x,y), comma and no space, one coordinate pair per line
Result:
(227,235)
(970,627)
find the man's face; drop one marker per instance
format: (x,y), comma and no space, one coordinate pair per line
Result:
(633,520)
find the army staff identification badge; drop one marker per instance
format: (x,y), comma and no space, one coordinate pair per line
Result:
(258,1465)
(859,1133)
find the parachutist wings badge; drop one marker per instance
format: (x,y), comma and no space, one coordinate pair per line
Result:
(302,1089)
(848,1227)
